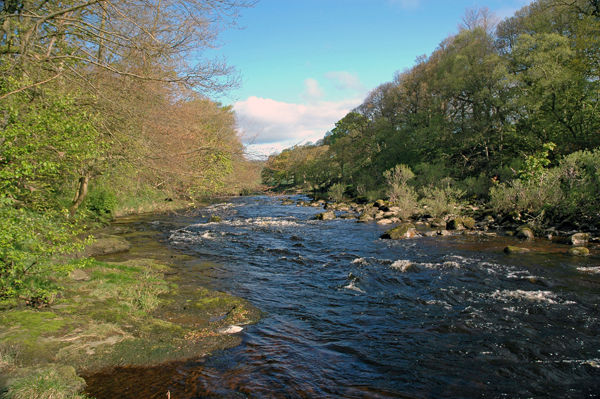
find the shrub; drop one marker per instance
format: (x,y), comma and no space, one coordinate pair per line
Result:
(578,175)
(336,192)
(29,245)
(531,196)
(102,202)
(398,190)
(430,174)
(476,187)
(441,201)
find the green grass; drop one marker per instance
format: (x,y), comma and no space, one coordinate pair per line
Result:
(125,313)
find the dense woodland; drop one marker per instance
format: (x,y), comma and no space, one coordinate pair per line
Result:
(104,108)
(503,113)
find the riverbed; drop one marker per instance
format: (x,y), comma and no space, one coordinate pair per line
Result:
(347,314)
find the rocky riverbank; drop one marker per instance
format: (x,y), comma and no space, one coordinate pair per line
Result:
(133,303)
(471,220)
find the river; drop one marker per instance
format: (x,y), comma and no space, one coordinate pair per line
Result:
(349,315)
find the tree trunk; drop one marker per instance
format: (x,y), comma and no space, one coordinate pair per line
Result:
(80,195)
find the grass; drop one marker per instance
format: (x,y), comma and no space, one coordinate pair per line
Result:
(123,313)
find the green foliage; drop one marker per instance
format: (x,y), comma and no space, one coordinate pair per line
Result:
(535,164)
(47,143)
(476,187)
(440,201)
(398,190)
(482,108)
(336,192)
(569,190)
(29,246)
(102,202)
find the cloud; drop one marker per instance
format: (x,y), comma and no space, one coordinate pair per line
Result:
(343,80)
(312,90)
(268,125)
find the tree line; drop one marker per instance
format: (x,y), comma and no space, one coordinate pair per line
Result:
(104,105)
(494,104)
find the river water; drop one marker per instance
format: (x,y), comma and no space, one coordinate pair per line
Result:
(348,315)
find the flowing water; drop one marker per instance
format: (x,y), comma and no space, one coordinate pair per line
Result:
(350,315)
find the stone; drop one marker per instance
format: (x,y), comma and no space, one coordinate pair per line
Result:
(515,250)
(525,233)
(329,215)
(105,245)
(79,275)
(579,239)
(437,222)
(405,230)
(579,251)
(230,330)
(365,217)
(384,221)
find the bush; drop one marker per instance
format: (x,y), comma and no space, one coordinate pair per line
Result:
(336,192)
(429,175)
(29,244)
(579,177)
(441,201)
(476,187)
(398,190)
(569,190)
(531,196)
(102,202)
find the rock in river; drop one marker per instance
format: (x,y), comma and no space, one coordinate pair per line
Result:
(329,215)
(405,230)
(579,251)
(579,239)
(525,233)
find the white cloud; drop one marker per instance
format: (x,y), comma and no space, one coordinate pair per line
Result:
(269,125)
(343,80)
(312,90)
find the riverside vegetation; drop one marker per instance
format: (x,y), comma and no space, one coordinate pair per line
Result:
(504,118)
(100,117)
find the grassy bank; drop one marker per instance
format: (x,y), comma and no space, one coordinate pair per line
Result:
(139,310)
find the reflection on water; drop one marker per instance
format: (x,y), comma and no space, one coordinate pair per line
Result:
(350,315)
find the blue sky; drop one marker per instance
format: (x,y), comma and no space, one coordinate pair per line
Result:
(304,64)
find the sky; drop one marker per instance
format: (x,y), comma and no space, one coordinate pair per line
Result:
(304,64)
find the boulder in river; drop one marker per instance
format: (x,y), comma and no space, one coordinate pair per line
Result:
(329,215)
(525,233)
(579,251)
(516,250)
(460,223)
(365,217)
(405,230)
(579,239)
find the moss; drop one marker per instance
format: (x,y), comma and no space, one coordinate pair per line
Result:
(515,250)
(579,251)
(405,230)
(27,326)
(126,313)
(50,382)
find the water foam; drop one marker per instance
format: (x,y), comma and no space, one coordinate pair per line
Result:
(532,296)
(590,270)
(353,287)
(403,265)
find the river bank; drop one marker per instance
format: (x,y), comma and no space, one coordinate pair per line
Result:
(470,220)
(131,304)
